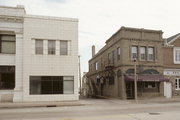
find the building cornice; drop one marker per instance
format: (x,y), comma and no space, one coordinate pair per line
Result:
(5,18)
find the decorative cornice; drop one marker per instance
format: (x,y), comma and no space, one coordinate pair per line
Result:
(16,19)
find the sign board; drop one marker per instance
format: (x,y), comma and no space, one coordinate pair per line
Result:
(173,72)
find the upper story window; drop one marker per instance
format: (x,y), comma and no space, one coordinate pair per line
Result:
(109,58)
(96,66)
(39,46)
(63,47)
(113,56)
(118,53)
(177,84)
(177,55)
(7,44)
(151,53)
(142,53)
(51,47)
(134,51)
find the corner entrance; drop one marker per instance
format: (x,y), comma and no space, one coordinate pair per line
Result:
(130,90)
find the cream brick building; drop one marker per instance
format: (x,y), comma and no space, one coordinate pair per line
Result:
(38,57)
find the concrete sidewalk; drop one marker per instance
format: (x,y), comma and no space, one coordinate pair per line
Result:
(158,100)
(90,101)
(39,104)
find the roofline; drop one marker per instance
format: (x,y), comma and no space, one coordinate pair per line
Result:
(16,7)
(135,29)
(173,39)
(51,18)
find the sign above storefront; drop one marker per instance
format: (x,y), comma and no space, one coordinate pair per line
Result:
(174,72)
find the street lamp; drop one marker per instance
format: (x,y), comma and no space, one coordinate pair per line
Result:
(79,75)
(135,80)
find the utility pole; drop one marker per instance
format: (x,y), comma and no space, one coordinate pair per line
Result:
(79,74)
(135,81)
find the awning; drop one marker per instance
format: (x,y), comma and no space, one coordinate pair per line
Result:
(149,77)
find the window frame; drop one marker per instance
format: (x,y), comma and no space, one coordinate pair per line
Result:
(151,54)
(8,41)
(64,48)
(96,65)
(39,47)
(140,52)
(49,52)
(177,81)
(118,53)
(51,89)
(174,53)
(132,56)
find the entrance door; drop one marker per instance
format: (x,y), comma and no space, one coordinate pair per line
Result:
(167,89)
(130,90)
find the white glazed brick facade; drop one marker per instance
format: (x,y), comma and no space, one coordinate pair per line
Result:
(27,63)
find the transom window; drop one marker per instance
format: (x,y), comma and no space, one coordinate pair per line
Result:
(134,51)
(177,83)
(7,44)
(177,55)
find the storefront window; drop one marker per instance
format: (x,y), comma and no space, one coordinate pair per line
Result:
(51,85)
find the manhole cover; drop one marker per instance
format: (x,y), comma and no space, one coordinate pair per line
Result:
(154,113)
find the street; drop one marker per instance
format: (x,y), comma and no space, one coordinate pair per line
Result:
(97,109)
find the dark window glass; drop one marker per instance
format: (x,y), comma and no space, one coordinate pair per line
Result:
(51,85)
(7,77)
(150,85)
(111,80)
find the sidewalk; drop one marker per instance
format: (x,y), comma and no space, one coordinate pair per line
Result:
(90,101)
(39,104)
(158,100)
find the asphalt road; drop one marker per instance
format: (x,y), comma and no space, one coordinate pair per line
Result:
(97,109)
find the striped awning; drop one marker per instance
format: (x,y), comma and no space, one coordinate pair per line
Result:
(145,77)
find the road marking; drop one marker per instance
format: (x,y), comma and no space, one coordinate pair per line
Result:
(105,117)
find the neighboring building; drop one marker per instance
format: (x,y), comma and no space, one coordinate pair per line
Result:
(85,85)
(172,63)
(38,57)
(111,70)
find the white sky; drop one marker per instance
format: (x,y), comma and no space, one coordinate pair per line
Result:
(99,19)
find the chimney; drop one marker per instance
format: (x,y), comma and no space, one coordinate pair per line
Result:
(93,51)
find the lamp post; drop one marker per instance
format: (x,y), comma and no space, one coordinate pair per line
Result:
(135,80)
(79,75)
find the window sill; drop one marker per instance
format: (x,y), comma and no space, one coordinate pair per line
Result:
(7,53)
(175,62)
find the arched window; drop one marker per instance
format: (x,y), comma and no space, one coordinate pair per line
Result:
(150,71)
(130,71)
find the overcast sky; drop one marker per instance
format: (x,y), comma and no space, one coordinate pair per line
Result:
(99,19)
